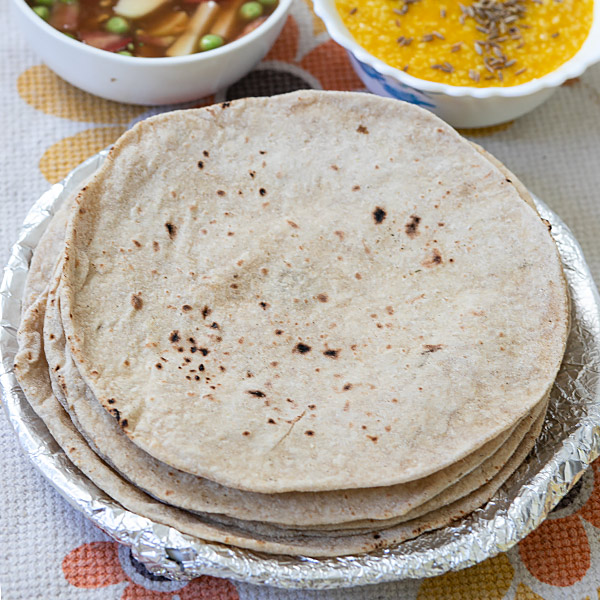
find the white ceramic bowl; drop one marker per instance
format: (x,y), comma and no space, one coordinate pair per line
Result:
(148,81)
(460,106)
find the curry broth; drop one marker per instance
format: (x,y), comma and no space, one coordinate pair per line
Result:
(151,35)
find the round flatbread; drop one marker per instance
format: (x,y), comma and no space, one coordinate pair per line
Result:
(32,370)
(358,300)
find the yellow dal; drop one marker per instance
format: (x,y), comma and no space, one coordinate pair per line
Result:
(376,28)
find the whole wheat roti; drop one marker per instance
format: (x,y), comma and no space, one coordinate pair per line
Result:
(32,370)
(362,311)
(201,495)
(298,509)
(325,509)
(46,254)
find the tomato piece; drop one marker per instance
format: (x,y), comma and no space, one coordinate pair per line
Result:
(113,42)
(65,16)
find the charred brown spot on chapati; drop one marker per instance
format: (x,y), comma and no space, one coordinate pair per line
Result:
(174,336)
(124,423)
(136,243)
(200,164)
(389,310)
(547,224)
(111,400)
(172,229)
(379,215)
(322,297)
(200,367)
(156,246)
(355,188)
(205,312)
(220,192)
(262,192)
(430,348)
(186,308)
(373,438)
(347,386)
(115,413)
(362,129)
(204,351)
(278,331)
(158,366)
(309,433)
(433,260)
(340,234)
(271,421)
(225,105)
(292,224)
(256,393)
(264,305)
(301,348)
(246,433)
(214,325)
(332,353)
(205,152)
(412,226)
(252,174)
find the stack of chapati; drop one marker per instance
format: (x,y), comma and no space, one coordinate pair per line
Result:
(316,324)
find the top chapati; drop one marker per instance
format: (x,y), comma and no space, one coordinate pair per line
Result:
(310,292)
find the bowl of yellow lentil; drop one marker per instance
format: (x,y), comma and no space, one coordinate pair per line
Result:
(475,63)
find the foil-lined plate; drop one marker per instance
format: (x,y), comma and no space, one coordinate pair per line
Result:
(569,442)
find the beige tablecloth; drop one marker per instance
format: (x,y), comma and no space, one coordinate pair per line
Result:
(48,550)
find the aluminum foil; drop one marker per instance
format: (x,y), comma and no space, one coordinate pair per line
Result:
(570,441)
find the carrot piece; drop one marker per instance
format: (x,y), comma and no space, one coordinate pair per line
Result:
(198,25)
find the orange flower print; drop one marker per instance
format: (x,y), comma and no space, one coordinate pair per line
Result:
(102,564)
(297,61)
(566,555)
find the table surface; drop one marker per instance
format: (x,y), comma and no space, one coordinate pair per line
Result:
(50,551)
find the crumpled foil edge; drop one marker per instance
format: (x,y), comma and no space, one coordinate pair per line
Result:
(569,442)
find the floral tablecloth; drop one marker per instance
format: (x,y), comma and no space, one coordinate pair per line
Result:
(47,127)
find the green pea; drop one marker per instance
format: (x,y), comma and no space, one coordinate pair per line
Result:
(117,25)
(45,2)
(251,10)
(69,35)
(42,11)
(210,41)
(124,53)
(130,47)
(268,4)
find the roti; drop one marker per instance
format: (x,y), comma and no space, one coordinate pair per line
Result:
(358,301)
(32,369)
(322,510)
